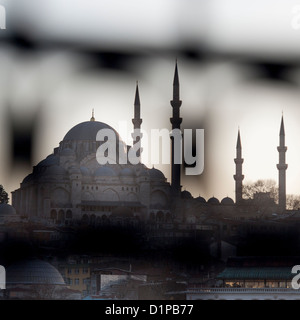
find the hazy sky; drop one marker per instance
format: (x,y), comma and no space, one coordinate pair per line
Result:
(218,95)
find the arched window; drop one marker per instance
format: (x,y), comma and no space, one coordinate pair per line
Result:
(152,216)
(61,216)
(69,214)
(168,217)
(53,214)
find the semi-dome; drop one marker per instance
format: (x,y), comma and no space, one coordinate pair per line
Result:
(55,170)
(156,174)
(51,160)
(105,171)
(33,272)
(6,209)
(127,172)
(227,201)
(141,170)
(85,171)
(87,131)
(67,152)
(213,200)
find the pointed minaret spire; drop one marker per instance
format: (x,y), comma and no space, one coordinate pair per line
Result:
(92,118)
(176,84)
(282,166)
(238,177)
(176,122)
(238,143)
(137,104)
(282,133)
(137,121)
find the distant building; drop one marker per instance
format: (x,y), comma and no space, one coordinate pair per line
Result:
(117,283)
(77,276)
(252,278)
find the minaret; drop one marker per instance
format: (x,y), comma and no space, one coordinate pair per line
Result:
(175,121)
(282,166)
(238,177)
(137,121)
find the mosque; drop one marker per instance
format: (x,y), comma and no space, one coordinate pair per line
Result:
(70,186)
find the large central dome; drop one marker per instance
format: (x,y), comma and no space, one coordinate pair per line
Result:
(87,131)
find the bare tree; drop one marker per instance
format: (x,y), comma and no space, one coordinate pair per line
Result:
(260,186)
(292,202)
(270,186)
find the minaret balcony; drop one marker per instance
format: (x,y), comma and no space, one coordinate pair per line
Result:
(282,166)
(238,177)
(238,160)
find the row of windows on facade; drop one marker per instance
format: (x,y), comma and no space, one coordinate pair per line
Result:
(96,188)
(76,281)
(105,209)
(77,270)
(61,214)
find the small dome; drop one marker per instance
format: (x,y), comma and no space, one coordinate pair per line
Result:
(227,201)
(201,199)
(33,272)
(156,174)
(74,170)
(105,171)
(67,152)
(142,171)
(127,172)
(186,195)
(55,170)
(6,209)
(85,171)
(51,160)
(213,200)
